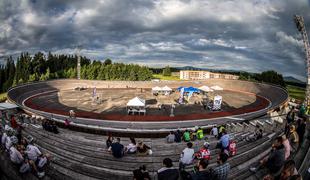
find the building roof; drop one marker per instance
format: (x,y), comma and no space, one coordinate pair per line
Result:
(5,106)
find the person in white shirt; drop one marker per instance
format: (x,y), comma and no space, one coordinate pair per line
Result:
(33,152)
(214,131)
(3,138)
(15,156)
(187,156)
(131,148)
(8,142)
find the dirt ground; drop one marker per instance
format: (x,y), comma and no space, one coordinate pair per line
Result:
(113,101)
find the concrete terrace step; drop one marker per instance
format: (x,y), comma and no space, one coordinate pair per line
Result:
(154,165)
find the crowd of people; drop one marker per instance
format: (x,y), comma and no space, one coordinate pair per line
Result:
(50,126)
(118,150)
(279,164)
(22,151)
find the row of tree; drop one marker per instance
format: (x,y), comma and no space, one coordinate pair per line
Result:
(267,76)
(40,68)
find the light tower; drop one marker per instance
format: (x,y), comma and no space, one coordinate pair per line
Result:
(299,21)
(78,68)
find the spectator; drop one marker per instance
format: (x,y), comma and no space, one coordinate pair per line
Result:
(4,137)
(54,128)
(171,137)
(200,133)
(193,135)
(187,156)
(42,162)
(15,156)
(168,172)
(13,122)
(221,129)
(275,160)
(141,174)
(109,141)
(301,129)
(290,116)
(186,136)
(67,123)
(224,141)
(223,168)
(202,173)
(32,151)
(214,131)
(288,170)
(143,149)
(8,142)
(204,152)
(117,148)
(287,146)
(293,138)
(232,147)
(302,111)
(178,136)
(131,148)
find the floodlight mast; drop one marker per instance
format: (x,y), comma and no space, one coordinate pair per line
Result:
(299,21)
(78,68)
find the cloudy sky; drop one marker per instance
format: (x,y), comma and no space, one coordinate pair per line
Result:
(250,35)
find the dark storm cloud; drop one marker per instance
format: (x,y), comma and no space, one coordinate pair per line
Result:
(238,34)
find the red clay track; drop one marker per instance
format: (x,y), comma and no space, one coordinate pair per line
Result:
(262,103)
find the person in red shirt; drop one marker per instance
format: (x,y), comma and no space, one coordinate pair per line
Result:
(13,122)
(204,152)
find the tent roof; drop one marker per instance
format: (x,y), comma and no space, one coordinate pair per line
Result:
(217,88)
(136,102)
(166,88)
(205,89)
(4,106)
(156,88)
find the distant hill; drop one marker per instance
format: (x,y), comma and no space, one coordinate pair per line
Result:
(292,79)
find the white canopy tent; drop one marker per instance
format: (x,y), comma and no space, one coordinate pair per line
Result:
(136,105)
(217,88)
(136,102)
(205,89)
(156,88)
(167,90)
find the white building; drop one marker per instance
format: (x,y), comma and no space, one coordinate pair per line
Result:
(200,75)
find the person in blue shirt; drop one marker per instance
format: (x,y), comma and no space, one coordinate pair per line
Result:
(117,149)
(224,141)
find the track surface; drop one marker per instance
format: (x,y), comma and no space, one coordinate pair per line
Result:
(39,102)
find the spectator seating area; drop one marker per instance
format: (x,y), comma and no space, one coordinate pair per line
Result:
(77,155)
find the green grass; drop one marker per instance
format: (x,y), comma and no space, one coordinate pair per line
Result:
(3,97)
(170,78)
(296,92)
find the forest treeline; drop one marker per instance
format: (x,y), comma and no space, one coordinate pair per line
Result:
(40,67)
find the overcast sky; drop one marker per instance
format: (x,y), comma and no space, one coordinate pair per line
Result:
(250,35)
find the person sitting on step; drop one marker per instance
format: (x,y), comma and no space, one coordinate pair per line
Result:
(187,156)
(131,148)
(117,148)
(275,161)
(168,172)
(171,137)
(143,149)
